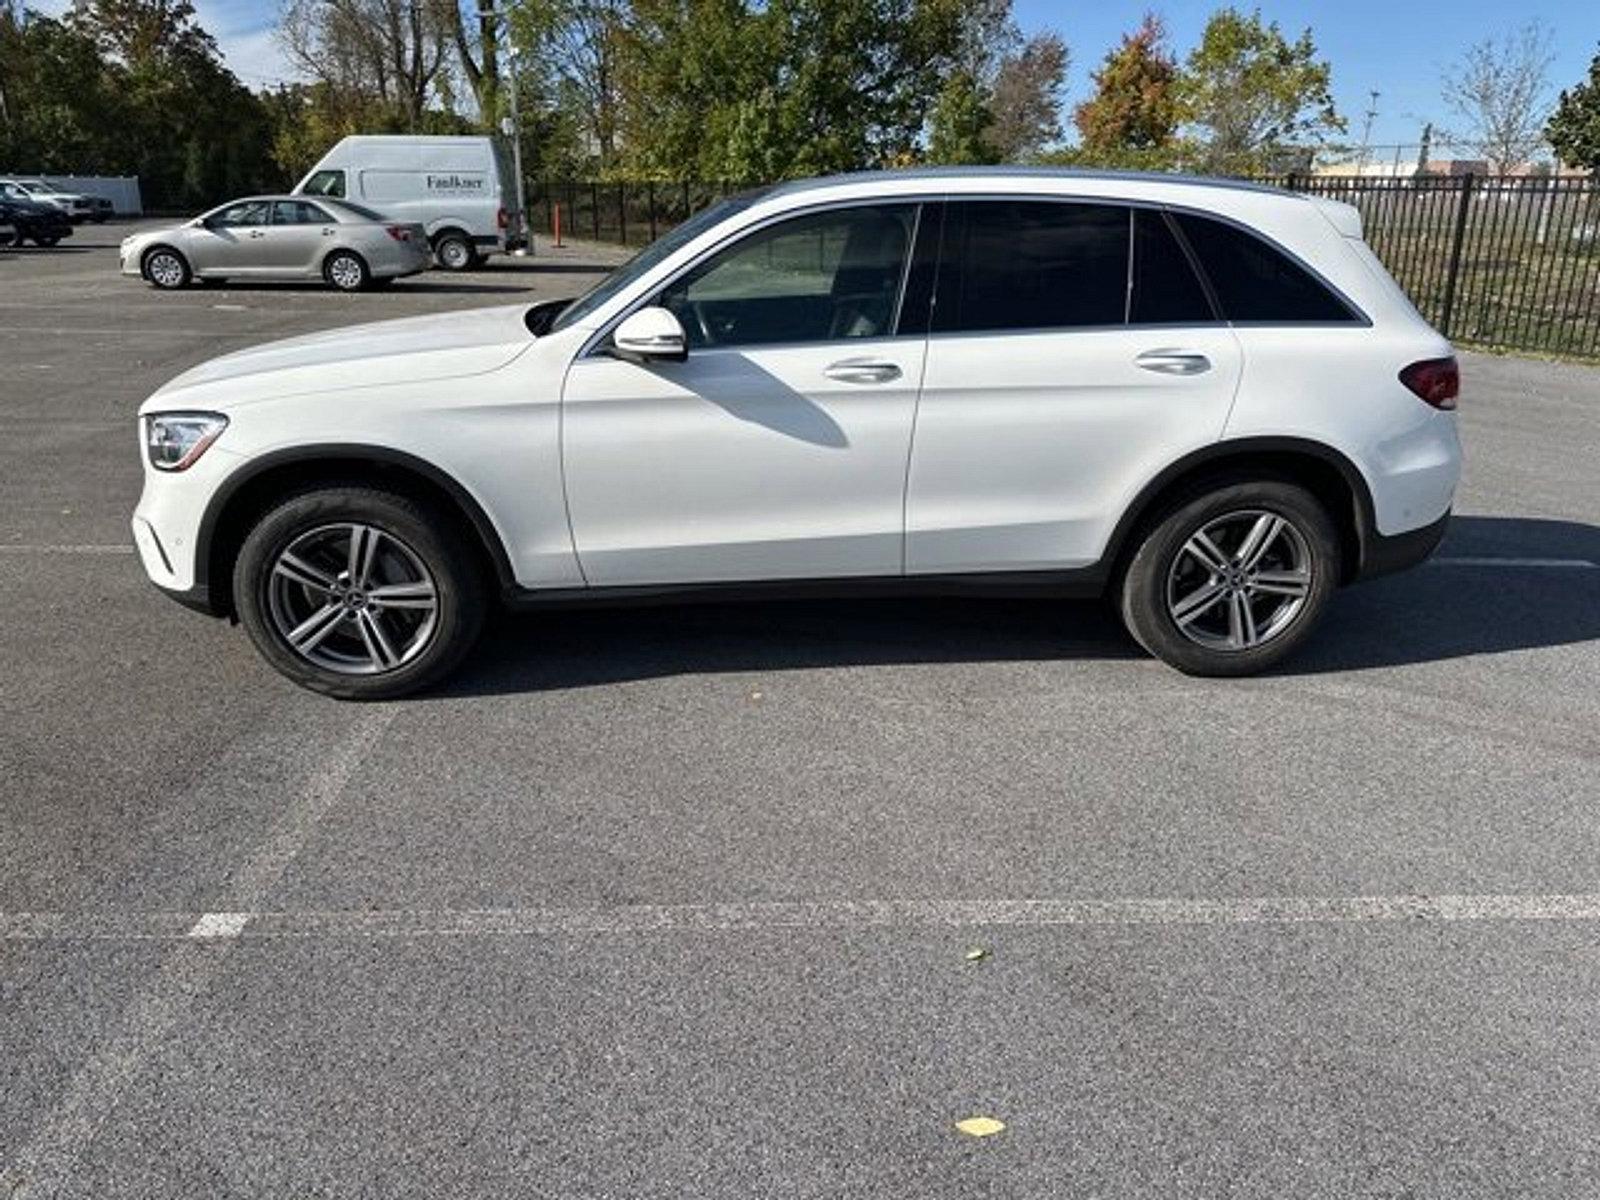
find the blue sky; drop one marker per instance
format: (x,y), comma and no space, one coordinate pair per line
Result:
(1402,48)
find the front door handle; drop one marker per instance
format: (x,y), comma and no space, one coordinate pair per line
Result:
(862,370)
(256,233)
(1174,362)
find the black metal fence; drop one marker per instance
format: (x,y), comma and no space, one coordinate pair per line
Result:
(1510,262)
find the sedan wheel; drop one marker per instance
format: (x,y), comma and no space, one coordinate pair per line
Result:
(166,269)
(346,271)
(1233,580)
(359,593)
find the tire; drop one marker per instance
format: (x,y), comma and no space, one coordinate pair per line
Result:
(166,269)
(453,251)
(346,270)
(1195,606)
(357,651)
(46,242)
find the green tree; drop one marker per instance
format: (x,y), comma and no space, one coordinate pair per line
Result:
(1254,100)
(959,124)
(1132,118)
(1574,128)
(733,90)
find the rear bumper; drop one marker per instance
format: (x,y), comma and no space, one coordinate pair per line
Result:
(1381,555)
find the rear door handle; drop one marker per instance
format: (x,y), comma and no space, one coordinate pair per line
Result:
(257,233)
(862,370)
(1174,362)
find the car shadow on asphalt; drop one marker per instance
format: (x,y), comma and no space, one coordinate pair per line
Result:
(1443,610)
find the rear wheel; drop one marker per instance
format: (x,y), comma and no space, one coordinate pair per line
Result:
(166,269)
(346,270)
(453,251)
(358,593)
(1233,579)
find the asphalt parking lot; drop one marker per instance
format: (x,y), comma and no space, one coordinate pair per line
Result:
(687,901)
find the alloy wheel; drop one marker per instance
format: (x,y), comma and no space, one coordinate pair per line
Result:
(1240,580)
(165,269)
(346,273)
(352,599)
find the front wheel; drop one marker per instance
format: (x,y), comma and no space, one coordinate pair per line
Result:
(358,593)
(166,269)
(1232,580)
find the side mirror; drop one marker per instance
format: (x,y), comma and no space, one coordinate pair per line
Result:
(651,334)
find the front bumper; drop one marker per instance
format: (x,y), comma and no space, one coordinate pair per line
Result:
(167,523)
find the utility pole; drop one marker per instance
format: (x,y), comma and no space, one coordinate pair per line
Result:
(1366,133)
(490,24)
(515,131)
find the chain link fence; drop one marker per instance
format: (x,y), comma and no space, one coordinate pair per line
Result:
(1504,262)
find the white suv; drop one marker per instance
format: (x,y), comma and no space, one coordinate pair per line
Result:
(1207,399)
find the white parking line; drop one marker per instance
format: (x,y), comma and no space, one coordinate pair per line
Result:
(14,548)
(834,914)
(219,925)
(1580,564)
(49,1158)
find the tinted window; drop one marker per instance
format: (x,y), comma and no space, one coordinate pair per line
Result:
(1023,264)
(325,183)
(297,212)
(250,212)
(828,276)
(1253,280)
(1166,290)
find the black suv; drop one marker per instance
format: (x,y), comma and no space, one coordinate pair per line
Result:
(36,223)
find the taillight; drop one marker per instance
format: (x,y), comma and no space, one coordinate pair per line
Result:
(399,233)
(501,219)
(1436,381)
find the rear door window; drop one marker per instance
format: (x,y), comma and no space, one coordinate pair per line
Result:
(297,212)
(1166,291)
(1029,264)
(1254,281)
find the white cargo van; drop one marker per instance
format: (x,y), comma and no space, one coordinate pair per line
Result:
(461,189)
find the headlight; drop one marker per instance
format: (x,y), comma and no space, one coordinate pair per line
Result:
(175,440)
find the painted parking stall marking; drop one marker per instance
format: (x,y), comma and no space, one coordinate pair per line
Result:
(645,919)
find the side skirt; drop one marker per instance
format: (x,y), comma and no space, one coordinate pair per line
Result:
(1084,583)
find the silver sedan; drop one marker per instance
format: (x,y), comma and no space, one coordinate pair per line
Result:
(342,244)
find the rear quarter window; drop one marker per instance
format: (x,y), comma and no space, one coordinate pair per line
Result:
(1256,282)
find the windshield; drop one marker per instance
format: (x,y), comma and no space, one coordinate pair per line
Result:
(652,254)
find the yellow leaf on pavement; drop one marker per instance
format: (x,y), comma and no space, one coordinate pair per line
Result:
(980,1126)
